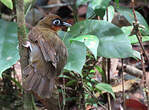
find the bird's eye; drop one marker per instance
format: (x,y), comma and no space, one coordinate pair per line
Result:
(56,22)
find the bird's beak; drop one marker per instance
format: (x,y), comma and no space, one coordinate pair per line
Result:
(66,24)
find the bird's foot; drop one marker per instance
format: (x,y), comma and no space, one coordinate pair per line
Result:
(27,44)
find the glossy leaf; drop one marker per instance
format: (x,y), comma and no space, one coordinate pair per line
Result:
(7,3)
(113,43)
(110,14)
(76,53)
(77,57)
(105,87)
(128,14)
(133,39)
(136,54)
(90,41)
(99,6)
(90,13)
(8,45)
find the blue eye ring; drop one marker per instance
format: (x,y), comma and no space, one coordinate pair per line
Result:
(57,22)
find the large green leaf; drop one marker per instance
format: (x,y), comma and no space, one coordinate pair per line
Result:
(106,88)
(76,53)
(113,43)
(77,57)
(128,14)
(8,45)
(90,41)
(8,3)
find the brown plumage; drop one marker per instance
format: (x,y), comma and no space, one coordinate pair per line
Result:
(48,56)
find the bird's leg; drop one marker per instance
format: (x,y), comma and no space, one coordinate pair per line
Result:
(27,44)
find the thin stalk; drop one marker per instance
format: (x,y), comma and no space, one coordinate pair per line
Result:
(142,50)
(123,86)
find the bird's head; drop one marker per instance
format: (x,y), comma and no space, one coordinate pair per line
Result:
(53,22)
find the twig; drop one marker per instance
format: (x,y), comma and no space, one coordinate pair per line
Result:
(57,5)
(143,52)
(64,94)
(108,80)
(108,70)
(123,87)
(138,33)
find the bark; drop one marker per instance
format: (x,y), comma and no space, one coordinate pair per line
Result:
(27,99)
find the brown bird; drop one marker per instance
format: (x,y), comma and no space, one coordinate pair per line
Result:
(48,56)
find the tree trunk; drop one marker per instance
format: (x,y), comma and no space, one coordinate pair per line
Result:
(27,99)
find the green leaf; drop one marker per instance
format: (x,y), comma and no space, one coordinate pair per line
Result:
(110,14)
(106,88)
(90,13)
(7,3)
(136,55)
(127,30)
(77,57)
(113,43)
(90,41)
(64,76)
(128,14)
(100,70)
(133,39)
(76,53)
(71,83)
(117,3)
(99,6)
(8,45)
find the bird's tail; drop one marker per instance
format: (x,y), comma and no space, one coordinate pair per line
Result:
(42,86)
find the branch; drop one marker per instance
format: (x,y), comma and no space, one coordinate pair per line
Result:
(143,52)
(21,33)
(27,99)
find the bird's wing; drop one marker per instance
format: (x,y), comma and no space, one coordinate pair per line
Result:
(47,41)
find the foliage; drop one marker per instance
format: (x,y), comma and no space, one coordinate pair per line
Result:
(90,41)
(85,86)
(133,39)
(7,3)
(111,12)
(128,14)
(111,40)
(85,41)
(8,45)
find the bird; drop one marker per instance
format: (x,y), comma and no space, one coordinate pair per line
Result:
(47,56)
